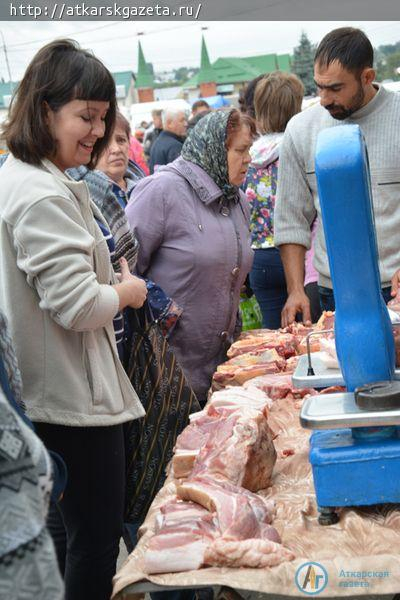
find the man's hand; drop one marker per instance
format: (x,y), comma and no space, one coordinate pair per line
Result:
(297,302)
(293,256)
(396,285)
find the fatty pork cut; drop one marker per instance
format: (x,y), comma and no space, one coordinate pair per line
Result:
(240,450)
(218,524)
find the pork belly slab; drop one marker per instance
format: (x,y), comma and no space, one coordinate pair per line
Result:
(190,442)
(241,451)
(284,343)
(230,439)
(214,523)
(236,396)
(240,513)
(239,369)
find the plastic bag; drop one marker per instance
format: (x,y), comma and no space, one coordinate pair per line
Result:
(250,312)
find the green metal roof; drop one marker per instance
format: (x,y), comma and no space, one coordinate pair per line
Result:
(237,70)
(284,62)
(144,77)
(206,73)
(123,78)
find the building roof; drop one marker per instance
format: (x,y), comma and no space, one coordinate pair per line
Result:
(284,62)
(123,78)
(206,73)
(237,70)
(6,91)
(144,77)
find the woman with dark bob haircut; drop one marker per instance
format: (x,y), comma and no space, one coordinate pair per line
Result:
(60,295)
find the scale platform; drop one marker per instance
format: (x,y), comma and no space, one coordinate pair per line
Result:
(340,411)
(323,377)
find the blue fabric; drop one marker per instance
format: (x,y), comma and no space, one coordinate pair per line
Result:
(217,101)
(163,309)
(118,320)
(165,149)
(327,299)
(124,195)
(120,194)
(267,280)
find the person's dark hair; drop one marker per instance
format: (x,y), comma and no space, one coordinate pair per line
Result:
(277,99)
(235,122)
(246,97)
(60,72)
(349,46)
(200,104)
(121,121)
(194,120)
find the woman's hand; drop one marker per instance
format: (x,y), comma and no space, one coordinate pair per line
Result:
(131,290)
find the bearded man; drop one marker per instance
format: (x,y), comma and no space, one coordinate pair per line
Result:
(344,76)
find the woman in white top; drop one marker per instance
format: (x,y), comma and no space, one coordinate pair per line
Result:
(60,296)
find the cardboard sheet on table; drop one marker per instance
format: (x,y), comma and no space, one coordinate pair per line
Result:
(363,540)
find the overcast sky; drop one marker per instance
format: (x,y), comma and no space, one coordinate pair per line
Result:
(170,45)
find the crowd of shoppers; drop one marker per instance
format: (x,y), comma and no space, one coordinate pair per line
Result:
(85,232)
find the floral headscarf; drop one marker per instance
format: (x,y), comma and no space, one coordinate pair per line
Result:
(205,147)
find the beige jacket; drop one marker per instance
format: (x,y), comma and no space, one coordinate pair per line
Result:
(54,288)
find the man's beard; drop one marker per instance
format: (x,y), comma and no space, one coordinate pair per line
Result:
(340,112)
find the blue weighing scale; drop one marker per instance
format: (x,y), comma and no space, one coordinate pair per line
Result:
(355,448)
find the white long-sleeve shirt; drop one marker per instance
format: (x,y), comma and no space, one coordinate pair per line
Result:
(297,197)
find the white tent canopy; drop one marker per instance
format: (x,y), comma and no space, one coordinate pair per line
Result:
(142,111)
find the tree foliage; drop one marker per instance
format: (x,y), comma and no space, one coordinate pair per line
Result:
(303,64)
(387,61)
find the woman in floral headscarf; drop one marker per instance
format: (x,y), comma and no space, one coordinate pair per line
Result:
(192,223)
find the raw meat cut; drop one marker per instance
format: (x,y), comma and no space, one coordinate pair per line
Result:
(212,518)
(240,514)
(326,320)
(183,531)
(191,440)
(278,386)
(230,438)
(239,369)
(177,515)
(256,357)
(298,329)
(165,555)
(254,553)
(236,396)
(241,450)
(284,343)
(291,364)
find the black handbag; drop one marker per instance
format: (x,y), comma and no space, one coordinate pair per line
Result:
(168,401)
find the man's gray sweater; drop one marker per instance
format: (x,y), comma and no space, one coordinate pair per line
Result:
(297,199)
